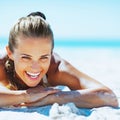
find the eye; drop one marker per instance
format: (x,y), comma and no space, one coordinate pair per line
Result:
(25,58)
(44,59)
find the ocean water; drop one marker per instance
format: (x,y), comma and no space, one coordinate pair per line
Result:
(109,43)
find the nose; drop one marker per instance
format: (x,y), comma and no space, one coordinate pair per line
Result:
(35,65)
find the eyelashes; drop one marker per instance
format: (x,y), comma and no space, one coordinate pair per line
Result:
(42,59)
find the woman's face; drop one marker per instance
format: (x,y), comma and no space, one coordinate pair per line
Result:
(31,59)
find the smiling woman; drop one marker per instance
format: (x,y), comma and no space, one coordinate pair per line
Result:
(32,61)
(31,68)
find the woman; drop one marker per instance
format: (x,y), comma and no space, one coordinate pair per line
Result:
(31,69)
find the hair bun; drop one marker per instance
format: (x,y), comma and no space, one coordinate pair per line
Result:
(37,14)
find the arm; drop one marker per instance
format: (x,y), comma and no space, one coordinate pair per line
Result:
(9,98)
(19,97)
(85,91)
(87,98)
(89,92)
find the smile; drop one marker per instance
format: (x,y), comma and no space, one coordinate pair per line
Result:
(33,75)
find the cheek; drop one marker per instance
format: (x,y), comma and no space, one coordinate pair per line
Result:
(45,66)
(19,66)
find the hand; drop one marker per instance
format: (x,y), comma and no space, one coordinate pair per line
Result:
(38,93)
(47,100)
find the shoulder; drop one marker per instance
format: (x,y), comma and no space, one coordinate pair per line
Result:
(56,62)
(53,71)
(59,63)
(58,70)
(2,63)
(3,59)
(3,75)
(56,58)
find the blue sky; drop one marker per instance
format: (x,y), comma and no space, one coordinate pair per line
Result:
(68,18)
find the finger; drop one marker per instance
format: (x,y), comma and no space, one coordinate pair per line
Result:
(51,88)
(52,92)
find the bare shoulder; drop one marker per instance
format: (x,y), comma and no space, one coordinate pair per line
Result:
(3,75)
(54,65)
(2,63)
(61,72)
(53,71)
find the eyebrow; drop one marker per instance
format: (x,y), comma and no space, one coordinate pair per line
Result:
(40,56)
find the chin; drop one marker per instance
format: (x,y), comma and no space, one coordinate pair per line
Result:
(32,85)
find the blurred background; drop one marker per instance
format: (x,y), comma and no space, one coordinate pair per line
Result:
(86,32)
(85,20)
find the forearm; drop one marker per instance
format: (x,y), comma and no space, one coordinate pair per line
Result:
(87,98)
(24,97)
(9,98)
(82,98)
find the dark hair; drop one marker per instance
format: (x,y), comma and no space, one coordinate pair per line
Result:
(37,14)
(33,25)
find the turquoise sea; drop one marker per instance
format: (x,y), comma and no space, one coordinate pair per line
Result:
(71,42)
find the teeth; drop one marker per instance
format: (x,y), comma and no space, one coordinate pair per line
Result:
(33,75)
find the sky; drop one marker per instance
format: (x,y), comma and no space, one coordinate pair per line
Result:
(68,18)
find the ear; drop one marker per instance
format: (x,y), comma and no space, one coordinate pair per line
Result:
(9,53)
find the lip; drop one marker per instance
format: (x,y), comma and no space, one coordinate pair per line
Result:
(33,76)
